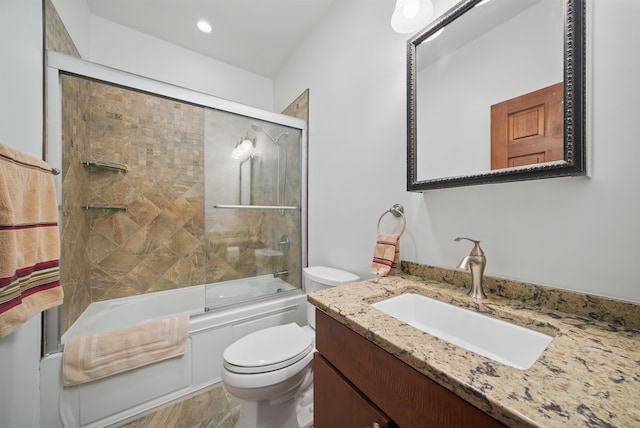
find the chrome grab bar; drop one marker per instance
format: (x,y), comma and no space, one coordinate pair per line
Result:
(256,207)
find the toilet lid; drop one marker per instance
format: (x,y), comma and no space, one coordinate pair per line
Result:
(268,349)
(329,276)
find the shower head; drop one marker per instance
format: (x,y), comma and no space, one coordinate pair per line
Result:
(258,128)
(243,151)
(280,190)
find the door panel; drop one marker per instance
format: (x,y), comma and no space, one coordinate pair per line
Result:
(528,129)
(337,403)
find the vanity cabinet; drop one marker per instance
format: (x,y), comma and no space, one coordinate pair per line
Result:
(354,376)
(339,404)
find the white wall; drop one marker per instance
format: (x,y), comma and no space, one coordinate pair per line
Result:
(573,233)
(21,128)
(120,47)
(105,42)
(353,65)
(21,75)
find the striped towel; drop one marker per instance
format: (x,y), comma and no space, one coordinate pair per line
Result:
(29,239)
(386,255)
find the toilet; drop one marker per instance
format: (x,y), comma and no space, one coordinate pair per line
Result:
(270,369)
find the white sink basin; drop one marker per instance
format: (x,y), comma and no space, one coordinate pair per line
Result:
(499,340)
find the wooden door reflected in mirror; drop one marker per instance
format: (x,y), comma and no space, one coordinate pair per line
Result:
(527,130)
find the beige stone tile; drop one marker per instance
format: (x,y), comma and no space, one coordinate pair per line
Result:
(180,211)
(141,243)
(142,210)
(159,193)
(115,226)
(184,271)
(183,243)
(163,227)
(101,247)
(141,278)
(105,287)
(119,263)
(209,409)
(161,259)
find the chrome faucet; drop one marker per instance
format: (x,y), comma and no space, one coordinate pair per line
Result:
(475,262)
(280,273)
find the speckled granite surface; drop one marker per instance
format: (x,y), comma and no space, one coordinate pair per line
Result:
(589,376)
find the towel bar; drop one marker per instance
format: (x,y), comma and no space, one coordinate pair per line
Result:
(104,207)
(256,207)
(398,211)
(96,166)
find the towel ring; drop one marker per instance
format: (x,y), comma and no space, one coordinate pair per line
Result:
(398,211)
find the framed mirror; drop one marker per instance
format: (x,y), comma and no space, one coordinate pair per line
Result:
(495,93)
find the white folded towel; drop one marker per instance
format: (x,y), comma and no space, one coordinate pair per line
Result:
(92,356)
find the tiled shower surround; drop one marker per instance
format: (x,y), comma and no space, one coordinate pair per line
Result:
(167,237)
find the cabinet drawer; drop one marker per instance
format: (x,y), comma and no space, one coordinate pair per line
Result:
(407,396)
(337,403)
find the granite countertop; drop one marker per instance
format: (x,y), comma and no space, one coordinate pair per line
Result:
(589,375)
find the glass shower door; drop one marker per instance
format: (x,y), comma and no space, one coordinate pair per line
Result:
(252,208)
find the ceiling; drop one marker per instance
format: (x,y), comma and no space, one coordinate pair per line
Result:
(254,35)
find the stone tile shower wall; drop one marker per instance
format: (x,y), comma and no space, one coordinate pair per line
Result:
(157,244)
(56,36)
(75,266)
(162,241)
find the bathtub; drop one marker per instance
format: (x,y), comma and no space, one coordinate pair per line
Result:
(122,396)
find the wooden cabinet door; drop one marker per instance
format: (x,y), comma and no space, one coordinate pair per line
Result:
(337,403)
(528,129)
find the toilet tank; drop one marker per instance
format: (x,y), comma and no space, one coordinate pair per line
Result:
(321,277)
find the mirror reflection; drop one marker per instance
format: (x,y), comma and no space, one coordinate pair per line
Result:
(487,98)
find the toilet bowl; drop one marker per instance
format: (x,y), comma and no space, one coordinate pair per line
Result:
(270,370)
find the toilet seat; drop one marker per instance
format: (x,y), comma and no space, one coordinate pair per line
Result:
(269,349)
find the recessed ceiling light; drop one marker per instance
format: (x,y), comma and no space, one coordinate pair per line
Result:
(204,26)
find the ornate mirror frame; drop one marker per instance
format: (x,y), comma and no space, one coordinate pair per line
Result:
(574,162)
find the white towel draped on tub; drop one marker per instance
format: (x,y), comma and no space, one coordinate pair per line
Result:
(92,356)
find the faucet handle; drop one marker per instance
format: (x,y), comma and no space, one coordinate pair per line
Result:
(476,251)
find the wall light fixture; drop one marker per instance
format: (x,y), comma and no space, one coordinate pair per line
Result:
(411,15)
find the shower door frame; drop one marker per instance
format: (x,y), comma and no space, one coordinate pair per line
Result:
(57,64)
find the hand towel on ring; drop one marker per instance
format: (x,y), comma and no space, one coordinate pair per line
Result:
(386,255)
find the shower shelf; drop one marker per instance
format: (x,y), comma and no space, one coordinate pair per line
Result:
(97,166)
(104,207)
(256,207)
